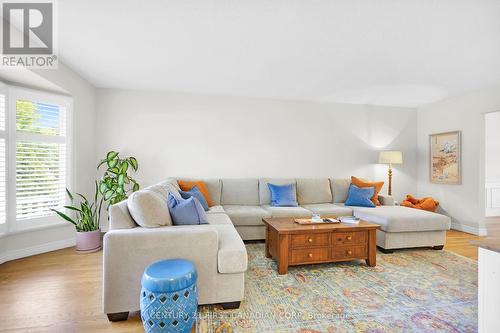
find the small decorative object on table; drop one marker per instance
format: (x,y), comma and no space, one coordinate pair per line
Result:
(349,219)
(169,297)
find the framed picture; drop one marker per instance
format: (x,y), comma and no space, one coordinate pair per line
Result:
(446,158)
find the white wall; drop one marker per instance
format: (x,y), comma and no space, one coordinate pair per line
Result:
(492,149)
(18,245)
(464,203)
(209,136)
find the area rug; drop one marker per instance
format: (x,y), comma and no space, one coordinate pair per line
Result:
(408,291)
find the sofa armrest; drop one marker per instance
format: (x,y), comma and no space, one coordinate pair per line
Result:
(128,252)
(386,200)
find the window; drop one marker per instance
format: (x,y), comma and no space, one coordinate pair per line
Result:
(35,157)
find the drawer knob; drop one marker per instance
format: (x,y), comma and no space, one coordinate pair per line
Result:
(310,240)
(310,255)
(349,252)
(349,237)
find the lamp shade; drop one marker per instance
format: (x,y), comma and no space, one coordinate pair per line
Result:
(390,157)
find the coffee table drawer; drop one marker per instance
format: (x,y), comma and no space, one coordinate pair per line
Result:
(349,252)
(304,256)
(349,238)
(310,240)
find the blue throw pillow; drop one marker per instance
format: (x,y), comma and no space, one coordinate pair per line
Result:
(360,196)
(195,192)
(186,211)
(283,195)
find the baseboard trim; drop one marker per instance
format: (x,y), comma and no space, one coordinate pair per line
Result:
(38,249)
(469,229)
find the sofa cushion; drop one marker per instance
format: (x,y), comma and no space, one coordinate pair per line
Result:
(313,190)
(246,215)
(240,191)
(403,219)
(232,255)
(119,216)
(215,210)
(340,189)
(265,194)
(149,209)
(166,186)
(328,209)
(219,219)
(287,211)
(214,189)
(213,185)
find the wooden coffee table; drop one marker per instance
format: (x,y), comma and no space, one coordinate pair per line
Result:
(291,244)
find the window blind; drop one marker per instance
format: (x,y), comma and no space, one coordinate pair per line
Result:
(40,159)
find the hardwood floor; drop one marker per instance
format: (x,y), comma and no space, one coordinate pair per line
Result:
(459,242)
(60,291)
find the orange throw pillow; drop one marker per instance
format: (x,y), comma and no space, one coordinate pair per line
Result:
(427,203)
(363,183)
(412,199)
(186,185)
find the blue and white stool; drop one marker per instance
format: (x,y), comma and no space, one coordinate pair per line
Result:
(169,297)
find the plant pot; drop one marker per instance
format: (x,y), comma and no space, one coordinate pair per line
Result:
(89,241)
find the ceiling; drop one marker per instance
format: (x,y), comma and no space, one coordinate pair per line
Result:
(383,52)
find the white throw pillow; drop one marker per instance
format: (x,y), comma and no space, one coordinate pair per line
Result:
(149,209)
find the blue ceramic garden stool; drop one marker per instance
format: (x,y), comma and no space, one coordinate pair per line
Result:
(169,297)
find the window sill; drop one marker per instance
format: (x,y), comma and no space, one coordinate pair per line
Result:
(20,228)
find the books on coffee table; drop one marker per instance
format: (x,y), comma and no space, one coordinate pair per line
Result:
(348,219)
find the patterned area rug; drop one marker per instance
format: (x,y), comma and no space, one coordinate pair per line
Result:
(408,291)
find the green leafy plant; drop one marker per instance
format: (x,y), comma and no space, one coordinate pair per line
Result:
(116,183)
(87,215)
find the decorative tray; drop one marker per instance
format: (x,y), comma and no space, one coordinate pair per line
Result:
(311,221)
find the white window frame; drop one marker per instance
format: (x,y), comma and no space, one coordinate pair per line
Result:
(13,94)
(4,89)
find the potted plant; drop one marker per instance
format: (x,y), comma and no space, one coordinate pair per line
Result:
(116,182)
(86,221)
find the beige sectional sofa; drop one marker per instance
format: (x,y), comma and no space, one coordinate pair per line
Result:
(217,249)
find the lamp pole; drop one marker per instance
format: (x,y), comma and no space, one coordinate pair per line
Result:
(390,179)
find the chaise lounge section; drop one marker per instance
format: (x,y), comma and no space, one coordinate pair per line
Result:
(402,227)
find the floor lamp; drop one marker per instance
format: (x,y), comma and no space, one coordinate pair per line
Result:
(390,157)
